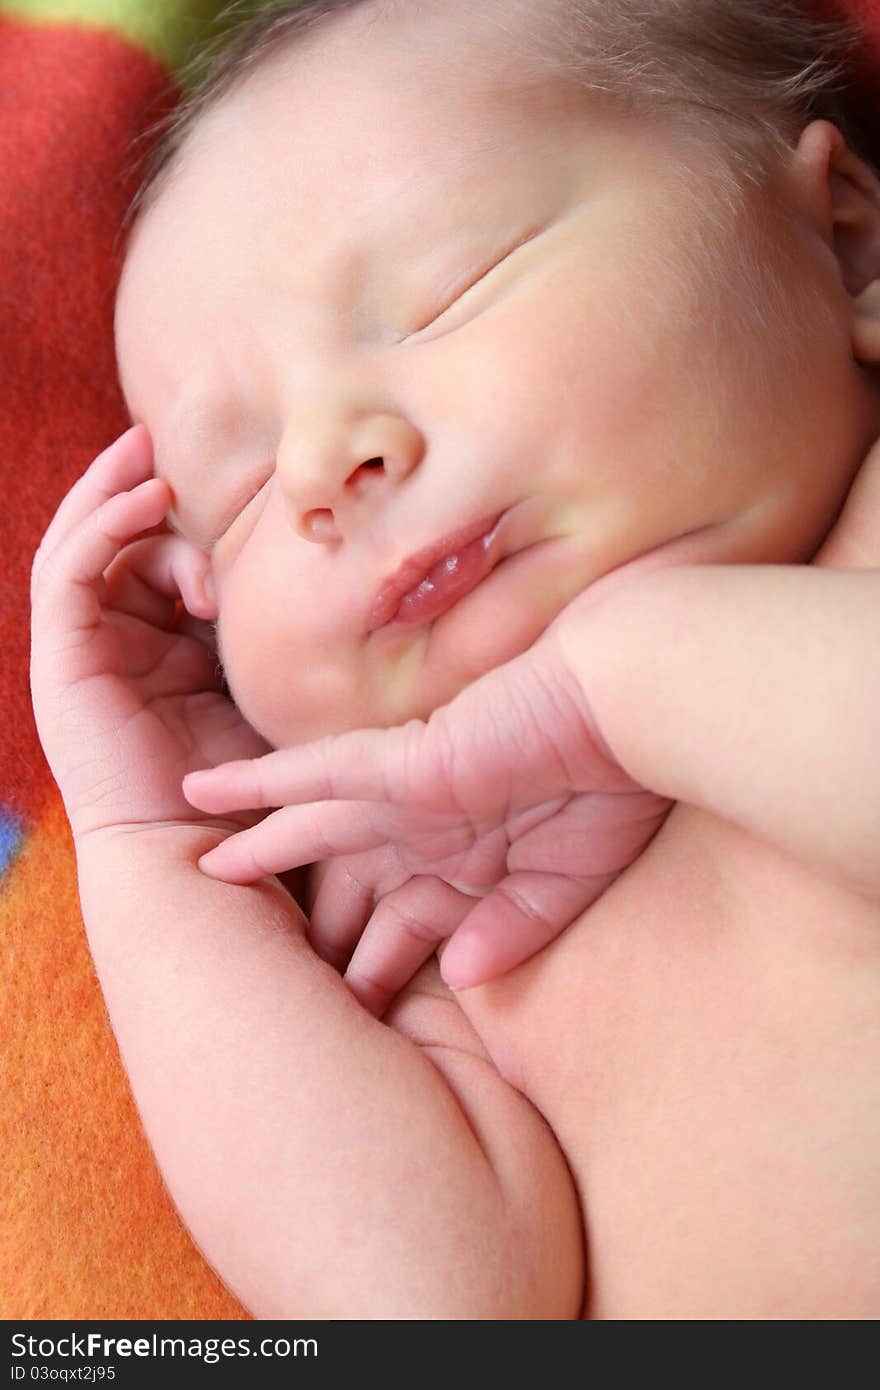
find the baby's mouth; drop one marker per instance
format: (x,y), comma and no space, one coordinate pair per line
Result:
(435,578)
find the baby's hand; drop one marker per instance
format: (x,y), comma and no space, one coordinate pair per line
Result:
(408,916)
(124,705)
(504,809)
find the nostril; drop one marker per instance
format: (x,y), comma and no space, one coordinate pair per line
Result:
(318,525)
(376,465)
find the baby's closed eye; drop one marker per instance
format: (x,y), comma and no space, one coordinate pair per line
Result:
(463,286)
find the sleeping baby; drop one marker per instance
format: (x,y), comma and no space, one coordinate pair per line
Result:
(500,507)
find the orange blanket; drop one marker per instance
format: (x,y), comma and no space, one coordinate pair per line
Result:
(87,1230)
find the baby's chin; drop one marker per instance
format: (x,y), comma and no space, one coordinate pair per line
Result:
(400,675)
(512,611)
(407,678)
(481,633)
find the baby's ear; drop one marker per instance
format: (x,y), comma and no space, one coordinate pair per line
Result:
(192,574)
(845,194)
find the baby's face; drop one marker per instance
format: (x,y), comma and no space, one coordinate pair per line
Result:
(386,309)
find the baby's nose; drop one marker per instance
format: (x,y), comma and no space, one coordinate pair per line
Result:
(328,475)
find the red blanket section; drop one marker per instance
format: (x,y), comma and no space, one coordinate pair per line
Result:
(88,1230)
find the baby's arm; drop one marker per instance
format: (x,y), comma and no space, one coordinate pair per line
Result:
(327,1165)
(752,692)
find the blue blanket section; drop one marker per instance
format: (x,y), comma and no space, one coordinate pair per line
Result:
(11,836)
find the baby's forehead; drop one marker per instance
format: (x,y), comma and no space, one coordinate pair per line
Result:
(494,43)
(362,219)
(388,77)
(359,152)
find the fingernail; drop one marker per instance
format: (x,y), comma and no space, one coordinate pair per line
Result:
(455,979)
(192,785)
(458,984)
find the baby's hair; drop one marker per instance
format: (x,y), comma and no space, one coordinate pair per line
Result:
(747,74)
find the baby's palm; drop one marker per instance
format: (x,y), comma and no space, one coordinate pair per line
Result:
(156,710)
(124,707)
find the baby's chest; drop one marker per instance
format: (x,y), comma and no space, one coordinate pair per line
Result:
(712,947)
(704,1044)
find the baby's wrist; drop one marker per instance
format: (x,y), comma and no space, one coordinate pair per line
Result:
(179,839)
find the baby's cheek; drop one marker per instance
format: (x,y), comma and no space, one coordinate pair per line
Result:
(257,669)
(391,686)
(235,668)
(290,683)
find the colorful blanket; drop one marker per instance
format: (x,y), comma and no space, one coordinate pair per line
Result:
(87,1229)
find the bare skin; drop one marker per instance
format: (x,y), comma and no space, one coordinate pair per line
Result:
(688,1071)
(704,1042)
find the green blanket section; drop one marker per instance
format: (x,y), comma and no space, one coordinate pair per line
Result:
(172,31)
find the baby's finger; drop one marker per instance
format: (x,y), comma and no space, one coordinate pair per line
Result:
(405,929)
(364,765)
(855,541)
(513,923)
(343,905)
(69,590)
(125,463)
(293,836)
(146,580)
